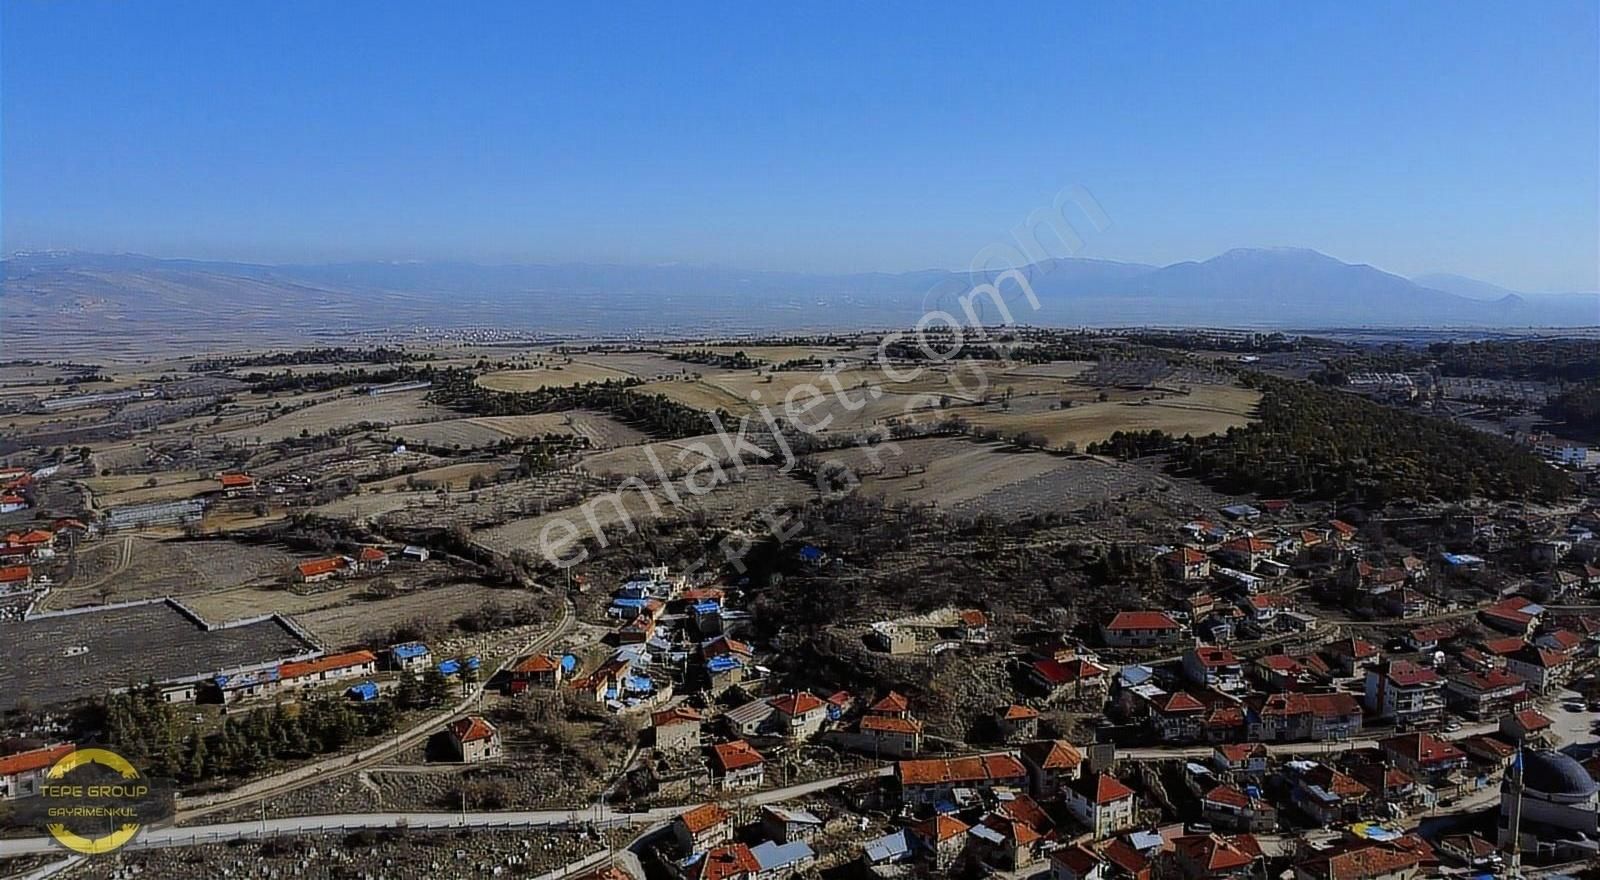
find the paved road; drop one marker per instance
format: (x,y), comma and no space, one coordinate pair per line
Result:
(156,838)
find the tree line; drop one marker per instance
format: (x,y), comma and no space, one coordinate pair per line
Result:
(1311,442)
(655,414)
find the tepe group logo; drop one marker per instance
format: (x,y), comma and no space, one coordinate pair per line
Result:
(93,801)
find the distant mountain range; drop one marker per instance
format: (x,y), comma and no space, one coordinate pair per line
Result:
(46,294)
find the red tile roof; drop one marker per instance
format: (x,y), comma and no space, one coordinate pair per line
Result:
(1531,720)
(1015,712)
(796,704)
(736,755)
(1407,674)
(14,574)
(1228,796)
(372,554)
(538,663)
(702,817)
(1077,859)
(324,664)
(235,481)
(1101,788)
(974,617)
(725,863)
(1053,754)
(1076,669)
(1136,620)
(32,537)
(893,702)
(940,828)
(1361,862)
(37,759)
(1215,854)
(1422,748)
(1179,701)
(471,729)
(676,715)
(977,768)
(314,567)
(890,724)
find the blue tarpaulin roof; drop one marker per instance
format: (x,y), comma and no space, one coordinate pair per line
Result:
(364,691)
(723,663)
(449,667)
(568,662)
(628,603)
(409,650)
(709,606)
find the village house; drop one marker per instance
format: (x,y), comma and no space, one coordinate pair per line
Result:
(882,736)
(1177,717)
(539,670)
(973,625)
(14,578)
(1236,760)
(234,485)
(1016,723)
(1246,553)
(474,739)
(1480,695)
(677,729)
(1228,808)
(799,715)
(789,826)
(21,773)
(1544,670)
(317,570)
(1051,765)
(1077,862)
(738,765)
(941,838)
(929,780)
(1296,717)
(893,638)
(778,860)
(1427,758)
(1515,615)
(1362,860)
(1005,842)
(702,828)
(414,656)
(1215,857)
(37,544)
(332,667)
(1077,678)
(1525,727)
(1102,803)
(733,861)
(1328,796)
(1412,695)
(1185,564)
(371,559)
(1141,629)
(1216,668)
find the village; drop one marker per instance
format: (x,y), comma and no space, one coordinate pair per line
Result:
(305,634)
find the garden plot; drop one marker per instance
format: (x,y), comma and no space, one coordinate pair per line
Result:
(600,430)
(1205,410)
(556,375)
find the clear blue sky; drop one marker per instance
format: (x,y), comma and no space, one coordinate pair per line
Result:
(1457,136)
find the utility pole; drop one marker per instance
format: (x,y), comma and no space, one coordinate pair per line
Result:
(1515,872)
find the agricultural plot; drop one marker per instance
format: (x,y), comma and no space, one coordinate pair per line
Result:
(119,570)
(557,375)
(343,620)
(115,491)
(1206,410)
(760,487)
(340,413)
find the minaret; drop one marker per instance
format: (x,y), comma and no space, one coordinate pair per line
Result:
(1514,823)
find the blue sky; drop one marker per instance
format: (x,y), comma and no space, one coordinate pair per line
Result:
(1417,137)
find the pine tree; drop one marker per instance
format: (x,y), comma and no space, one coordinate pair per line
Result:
(435,689)
(407,694)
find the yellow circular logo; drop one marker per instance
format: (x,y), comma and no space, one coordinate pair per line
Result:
(111,803)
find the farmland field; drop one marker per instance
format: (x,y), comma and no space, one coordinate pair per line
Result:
(1209,409)
(122,569)
(557,375)
(343,412)
(131,489)
(345,621)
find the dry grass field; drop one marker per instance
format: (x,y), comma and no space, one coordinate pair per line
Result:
(120,569)
(114,491)
(557,375)
(348,621)
(996,479)
(760,487)
(1207,410)
(343,412)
